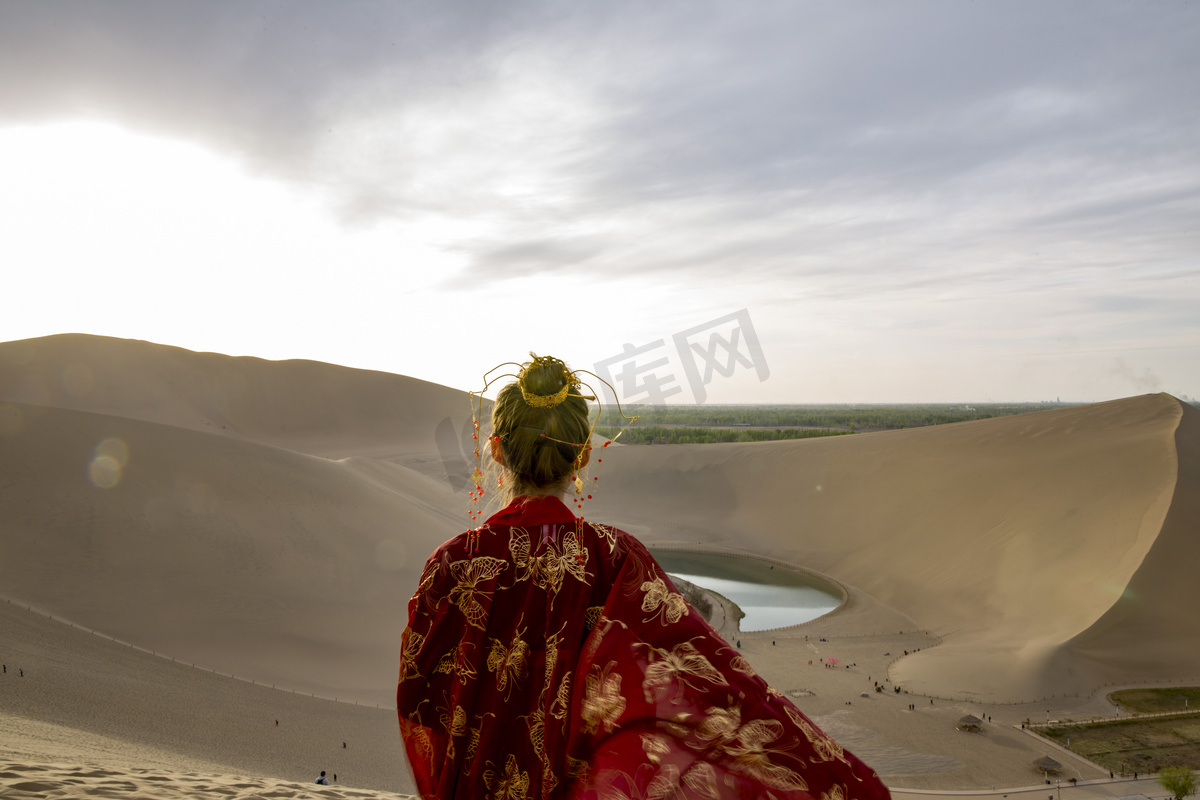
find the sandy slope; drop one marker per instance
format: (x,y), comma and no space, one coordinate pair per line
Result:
(270,519)
(21,780)
(1155,620)
(253,560)
(96,717)
(87,699)
(1006,537)
(305,406)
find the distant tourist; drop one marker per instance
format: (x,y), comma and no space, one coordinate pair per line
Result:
(540,595)
(322,779)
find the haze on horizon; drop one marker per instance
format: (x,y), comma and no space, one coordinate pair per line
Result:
(927,201)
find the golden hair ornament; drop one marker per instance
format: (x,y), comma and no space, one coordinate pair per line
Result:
(573,388)
(545,400)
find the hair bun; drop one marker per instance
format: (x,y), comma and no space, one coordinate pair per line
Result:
(545,381)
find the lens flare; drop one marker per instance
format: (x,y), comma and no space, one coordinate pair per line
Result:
(104,472)
(115,449)
(108,463)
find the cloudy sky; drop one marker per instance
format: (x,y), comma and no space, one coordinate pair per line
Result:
(897,201)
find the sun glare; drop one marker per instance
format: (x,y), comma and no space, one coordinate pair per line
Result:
(97,180)
(119,233)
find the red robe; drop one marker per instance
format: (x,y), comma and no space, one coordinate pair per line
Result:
(548,657)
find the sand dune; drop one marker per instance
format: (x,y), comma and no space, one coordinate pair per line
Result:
(84,699)
(1007,537)
(269,520)
(253,560)
(306,406)
(1154,620)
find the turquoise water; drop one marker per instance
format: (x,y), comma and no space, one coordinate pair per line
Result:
(769,598)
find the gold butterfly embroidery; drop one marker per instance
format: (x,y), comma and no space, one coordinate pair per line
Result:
(836,792)
(591,617)
(518,545)
(457,662)
(722,731)
(476,732)
(537,736)
(427,577)
(665,784)
(675,668)
(654,745)
(470,574)
(557,563)
(602,700)
(537,732)
(410,646)
(455,725)
(552,643)
(702,779)
(512,785)
(605,533)
(418,738)
(549,781)
(740,664)
(548,570)
(825,748)
(562,701)
(509,663)
(577,767)
(417,735)
(662,602)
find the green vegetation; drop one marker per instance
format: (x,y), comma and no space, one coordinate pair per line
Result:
(1156,701)
(658,434)
(1179,781)
(1135,745)
(695,424)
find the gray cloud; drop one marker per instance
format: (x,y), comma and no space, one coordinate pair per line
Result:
(537,255)
(902,143)
(262,77)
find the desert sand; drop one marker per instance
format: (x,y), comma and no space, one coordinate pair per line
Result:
(194,546)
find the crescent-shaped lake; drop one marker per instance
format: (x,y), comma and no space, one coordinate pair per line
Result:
(769,596)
